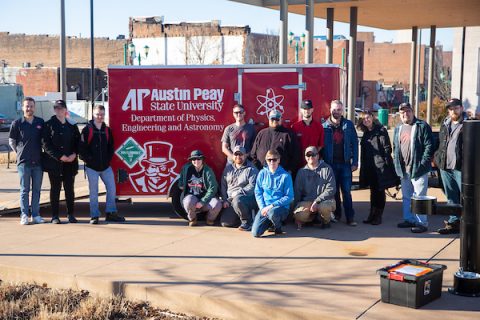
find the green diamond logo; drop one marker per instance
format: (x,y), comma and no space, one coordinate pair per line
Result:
(130,152)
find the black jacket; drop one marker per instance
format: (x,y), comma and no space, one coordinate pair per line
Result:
(281,139)
(57,140)
(97,153)
(440,156)
(376,159)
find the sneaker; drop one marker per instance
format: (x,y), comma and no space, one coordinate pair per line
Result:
(325,225)
(192,223)
(278,231)
(351,223)
(245,227)
(113,217)
(94,220)
(23,219)
(406,224)
(72,219)
(419,229)
(37,220)
(210,222)
(333,218)
(56,220)
(448,229)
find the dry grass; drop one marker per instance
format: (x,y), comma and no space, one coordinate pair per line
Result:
(29,301)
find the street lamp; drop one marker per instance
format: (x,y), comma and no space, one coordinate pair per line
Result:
(133,54)
(298,44)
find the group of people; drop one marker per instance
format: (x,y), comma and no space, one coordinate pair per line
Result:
(54,147)
(265,179)
(306,169)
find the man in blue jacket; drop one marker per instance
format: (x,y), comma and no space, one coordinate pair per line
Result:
(341,153)
(274,193)
(412,156)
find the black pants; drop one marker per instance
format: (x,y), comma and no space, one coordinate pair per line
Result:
(56,181)
(377,195)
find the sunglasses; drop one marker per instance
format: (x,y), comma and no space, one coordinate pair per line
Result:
(274,119)
(237,154)
(238,112)
(197,159)
(272,160)
(311,154)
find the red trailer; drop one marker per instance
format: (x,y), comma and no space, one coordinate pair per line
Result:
(159,114)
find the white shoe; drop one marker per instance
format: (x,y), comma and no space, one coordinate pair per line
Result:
(37,220)
(23,219)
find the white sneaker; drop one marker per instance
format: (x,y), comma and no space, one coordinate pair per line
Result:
(23,219)
(37,219)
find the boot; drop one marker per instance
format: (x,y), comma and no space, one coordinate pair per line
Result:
(370,216)
(377,216)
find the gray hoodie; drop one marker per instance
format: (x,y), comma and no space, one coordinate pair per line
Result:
(239,181)
(315,184)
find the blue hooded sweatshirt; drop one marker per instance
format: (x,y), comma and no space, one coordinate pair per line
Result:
(274,188)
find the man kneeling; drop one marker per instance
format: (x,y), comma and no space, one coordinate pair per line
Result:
(274,193)
(314,191)
(237,189)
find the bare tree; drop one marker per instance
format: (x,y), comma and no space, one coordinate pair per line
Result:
(442,77)
(200,49)
(263,48)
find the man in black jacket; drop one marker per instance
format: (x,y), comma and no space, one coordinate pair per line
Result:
(448,159)
(96,150)
(60,144)
(276,137)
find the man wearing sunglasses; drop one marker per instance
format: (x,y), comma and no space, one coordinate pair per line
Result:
(314,191)
(276,137)
(237,190)
(274,193)
(199,187)
(238,133)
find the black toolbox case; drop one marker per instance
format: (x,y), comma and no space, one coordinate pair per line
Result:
(410,290)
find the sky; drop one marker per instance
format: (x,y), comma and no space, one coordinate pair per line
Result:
(111,18)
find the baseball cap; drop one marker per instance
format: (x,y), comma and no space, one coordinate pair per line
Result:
(60,103)
(306,104)
(454,102)
(239,149)
(405,105)
(311,149)
(274,114)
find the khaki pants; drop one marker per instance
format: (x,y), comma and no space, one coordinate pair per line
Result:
(303,214)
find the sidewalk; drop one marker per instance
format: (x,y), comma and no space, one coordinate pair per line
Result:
(219,272)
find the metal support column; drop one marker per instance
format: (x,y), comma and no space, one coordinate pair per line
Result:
(283,43)
(462,62)
(431,69)
(413,65)
(63,70)
(309,31)
(92,57)
(352,64)
(419,72)
(329,44)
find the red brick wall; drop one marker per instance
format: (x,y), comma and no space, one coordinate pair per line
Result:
(36,82)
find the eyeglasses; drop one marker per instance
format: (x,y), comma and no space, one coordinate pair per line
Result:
(197,159)
(238,112)
(311,154)
(238,154)
(274,119)
(272,160)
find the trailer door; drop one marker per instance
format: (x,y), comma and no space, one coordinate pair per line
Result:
(264,90)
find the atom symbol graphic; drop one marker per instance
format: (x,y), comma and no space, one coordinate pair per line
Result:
(269,102)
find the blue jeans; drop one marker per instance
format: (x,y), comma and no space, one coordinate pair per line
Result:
(109,181)
(274,216)
(30,175)
(343,179)
(409,187)
(452,186)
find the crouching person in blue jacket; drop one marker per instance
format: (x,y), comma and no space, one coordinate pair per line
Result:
(274,193)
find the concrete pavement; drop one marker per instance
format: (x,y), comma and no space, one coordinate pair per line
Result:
(214,271)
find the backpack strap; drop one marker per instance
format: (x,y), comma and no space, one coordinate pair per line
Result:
(90,133)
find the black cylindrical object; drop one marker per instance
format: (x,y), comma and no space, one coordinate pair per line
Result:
(467,279)
(470,221)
